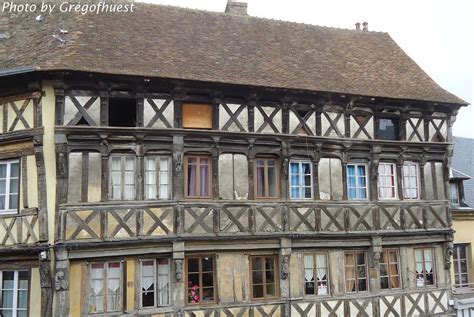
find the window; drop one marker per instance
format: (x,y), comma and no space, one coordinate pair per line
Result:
(357,181)
(264,281)
(105,287)
(198,177)
(14,293)
(301,180)
(387,181)
(9,186)
(331,186)
(122,112)
(197,116)
(410,181)
(388,129)
(461,265)
(316,274)
(201,277)
(389,272)
(356,272)
(157,177)
(155,283)
(266,178)
(233,176)
(454,193)
(122,172)
(424,267)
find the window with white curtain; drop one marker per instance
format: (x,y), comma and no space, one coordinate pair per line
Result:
(387,181)
(155,282)
(157,177)
(105,287)
(301,182)
(122,177)
(9,186)
(14,293)
(425,271)
(316,274)
(411,187)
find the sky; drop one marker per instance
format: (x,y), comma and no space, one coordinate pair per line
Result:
(437,34)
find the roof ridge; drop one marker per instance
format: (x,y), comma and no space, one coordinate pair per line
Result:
(224,14)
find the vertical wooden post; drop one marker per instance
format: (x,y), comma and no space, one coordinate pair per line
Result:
(140,113)
(251,168)
(140,169)
(59,100)
(178,166)
(104,155)
(104,108)
(317,158)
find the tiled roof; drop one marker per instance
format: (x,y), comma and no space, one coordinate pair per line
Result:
(463,161)
(170,42)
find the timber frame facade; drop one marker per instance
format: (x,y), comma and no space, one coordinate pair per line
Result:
(144,195)
(96,228)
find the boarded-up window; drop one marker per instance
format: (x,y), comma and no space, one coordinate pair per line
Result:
(233,176)
(87,187)
(434,180)
(198,116)
(330,179)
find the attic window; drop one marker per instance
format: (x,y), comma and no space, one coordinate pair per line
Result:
(388,129)
(197,116)
(122,112)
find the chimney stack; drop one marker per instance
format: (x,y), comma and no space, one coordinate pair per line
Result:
(365,26)
(357,26)
(236,7)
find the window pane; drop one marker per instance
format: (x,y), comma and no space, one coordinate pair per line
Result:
(204,180)
(272,181)
(260,181)
(207,264)
(23,299)
(3,186)
(3,170)
(23,279)
(193,265)
(14,170)
(257,277)
(192,175)
(271,290)
(258,291)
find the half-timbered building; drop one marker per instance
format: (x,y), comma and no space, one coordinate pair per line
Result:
(177,162)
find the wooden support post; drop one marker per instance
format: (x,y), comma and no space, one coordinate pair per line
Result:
(284,173)
(42,189)
(317,158)
(251,163)
(285,107)
(59,100)
(215,169)
(61,284)
(347,124)
(104,108)
(422,164)
(178,287)
(85,176)
(399,179)
(140,169)
(140,112)
(46,287)
(402,127)
(319,112)
(104,154)
(426,126)
(178,173)
(251,114)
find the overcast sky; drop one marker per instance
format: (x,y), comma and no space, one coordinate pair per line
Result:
(437,34)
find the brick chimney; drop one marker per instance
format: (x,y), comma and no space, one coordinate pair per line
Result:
(357,26)
(365,26)
(236,7)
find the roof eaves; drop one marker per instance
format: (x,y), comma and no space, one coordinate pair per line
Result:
(16,71)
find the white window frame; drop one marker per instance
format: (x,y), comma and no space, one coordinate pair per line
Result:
(8,164)
(300,185)
(159,177)
(408,165)
(122,177)
(156,302)
(389,187)
(356,175)
(105,281)
(16,290)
